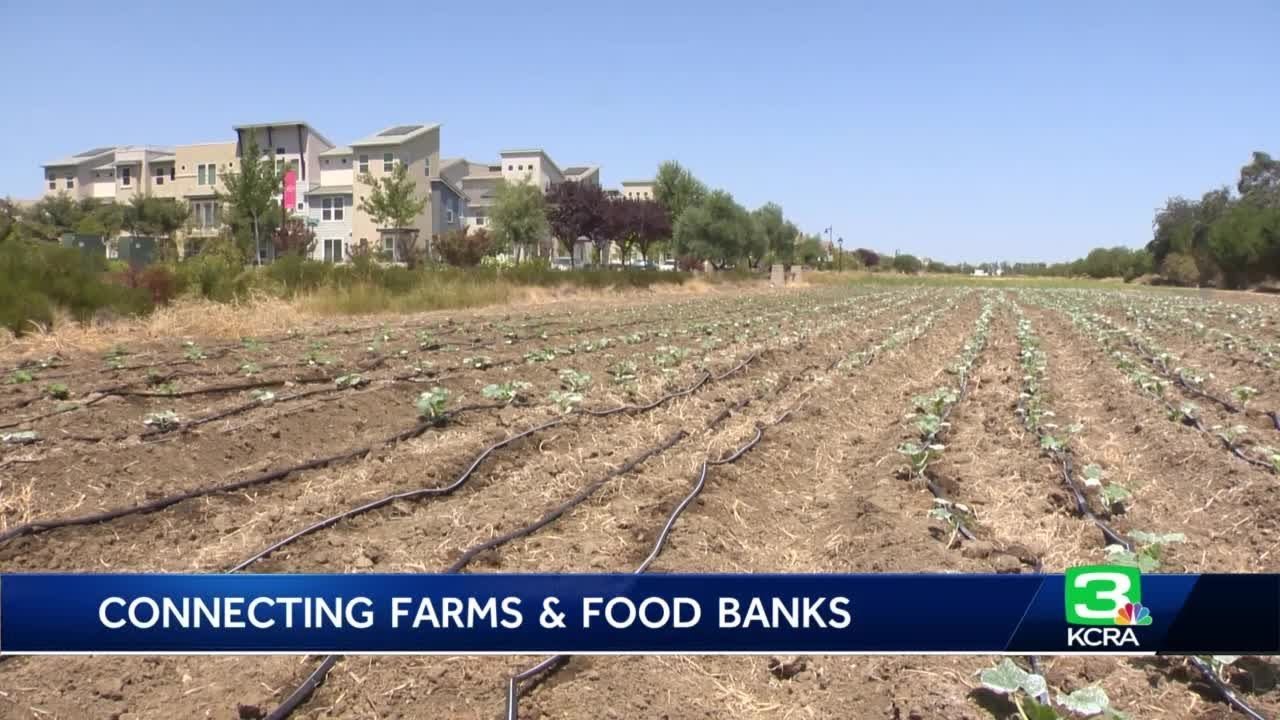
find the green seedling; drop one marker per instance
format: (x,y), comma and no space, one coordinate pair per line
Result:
(165,420)
(21,377)
(22,437)
(479,362)
(507,392)
(263,397)
(58,391)
(431,404)
(351,380)
(574,381)
(250,369)
(194,352)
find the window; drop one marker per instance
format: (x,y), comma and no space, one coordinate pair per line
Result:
(207,174)
(337,208)
(388,160)
(481,220)
(172,174)
(279,151)
(364,163)
(70,182)
(510,168)
(326,209)
(333,250)
(53,184)
(426,167)
(124,176)
(448,215)
(389,246)
(205,214)
(159,176)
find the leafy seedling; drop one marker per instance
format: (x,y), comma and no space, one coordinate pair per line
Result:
(20,377)
(165,420)
(479,362)
(250,369)
(565,401)
(263,397)
(574,381)
(507,392)
(920,455)
(351,380)
(194,352)
(427,341)
(251,344)
(431,404)
(1243,394)
(58,391)
(540,356)
(623,372)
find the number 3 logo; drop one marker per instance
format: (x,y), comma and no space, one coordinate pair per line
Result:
(1096,593)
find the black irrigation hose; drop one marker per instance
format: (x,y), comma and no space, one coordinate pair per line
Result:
(558,511)
(40,526)
(303,691)
(404,495)
(1112,537)
(1223,689)
(522,682)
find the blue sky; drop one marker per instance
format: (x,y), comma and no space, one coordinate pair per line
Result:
(960,131)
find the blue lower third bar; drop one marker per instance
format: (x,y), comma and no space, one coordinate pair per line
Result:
(1100,609)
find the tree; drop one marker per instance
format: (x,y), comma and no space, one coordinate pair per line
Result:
(780,234)
(1260,180)
(463,247)
(294,237)
(651,225)
(156,218)
(577,210)
(809,250)
(252,209)
(518,216)
(52,216)
(907,263)
(715,229)
(394,204)
(677,189)
(755,241)
(1241,239)
(868,258)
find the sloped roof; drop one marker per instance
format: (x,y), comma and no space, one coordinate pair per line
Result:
(396,134)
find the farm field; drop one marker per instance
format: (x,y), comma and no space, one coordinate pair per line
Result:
(855,428)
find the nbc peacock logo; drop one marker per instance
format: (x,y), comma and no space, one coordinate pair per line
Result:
(1133,614)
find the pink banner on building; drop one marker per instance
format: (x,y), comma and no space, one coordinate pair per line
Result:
(290,199)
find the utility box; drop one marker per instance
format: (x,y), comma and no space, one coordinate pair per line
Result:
(136,250)
(87,244)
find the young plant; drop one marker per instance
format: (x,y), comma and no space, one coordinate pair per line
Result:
(920,455)
(574,381)
(479,362)
(623,372)
(251,344)
(431,404)
(1149,549)
(507,392)
(193,352)
(20,377)
(427,341)
(540,356)
(351,380)
(164,420)
(263,397)
(1243,394)
(954,514)
(250,369)
(58,391)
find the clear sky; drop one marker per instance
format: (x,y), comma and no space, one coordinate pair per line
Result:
(956,130)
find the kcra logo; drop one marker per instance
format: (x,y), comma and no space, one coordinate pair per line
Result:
(1107,600)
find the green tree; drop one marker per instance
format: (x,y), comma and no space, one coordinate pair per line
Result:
(1260,180)
(715,229)
(1180,268)
(394,204)
(677,189)
(780,234)
(518,218)
(250,197)
(809,250)
(907,263)
(157,218)
(52,216)
(1241,240)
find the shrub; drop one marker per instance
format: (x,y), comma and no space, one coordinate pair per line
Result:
(1180,268)
(462,248)
(36,277)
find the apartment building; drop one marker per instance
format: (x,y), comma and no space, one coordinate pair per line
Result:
(478,181)
(324,182)
(637,189)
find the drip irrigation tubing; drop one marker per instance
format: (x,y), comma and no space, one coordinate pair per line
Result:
(303,691)
(1110,536)
(40,526)
(522,682)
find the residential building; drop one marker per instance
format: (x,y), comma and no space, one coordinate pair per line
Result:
(324,181)
(637,189)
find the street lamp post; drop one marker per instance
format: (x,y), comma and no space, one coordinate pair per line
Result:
(841,243)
